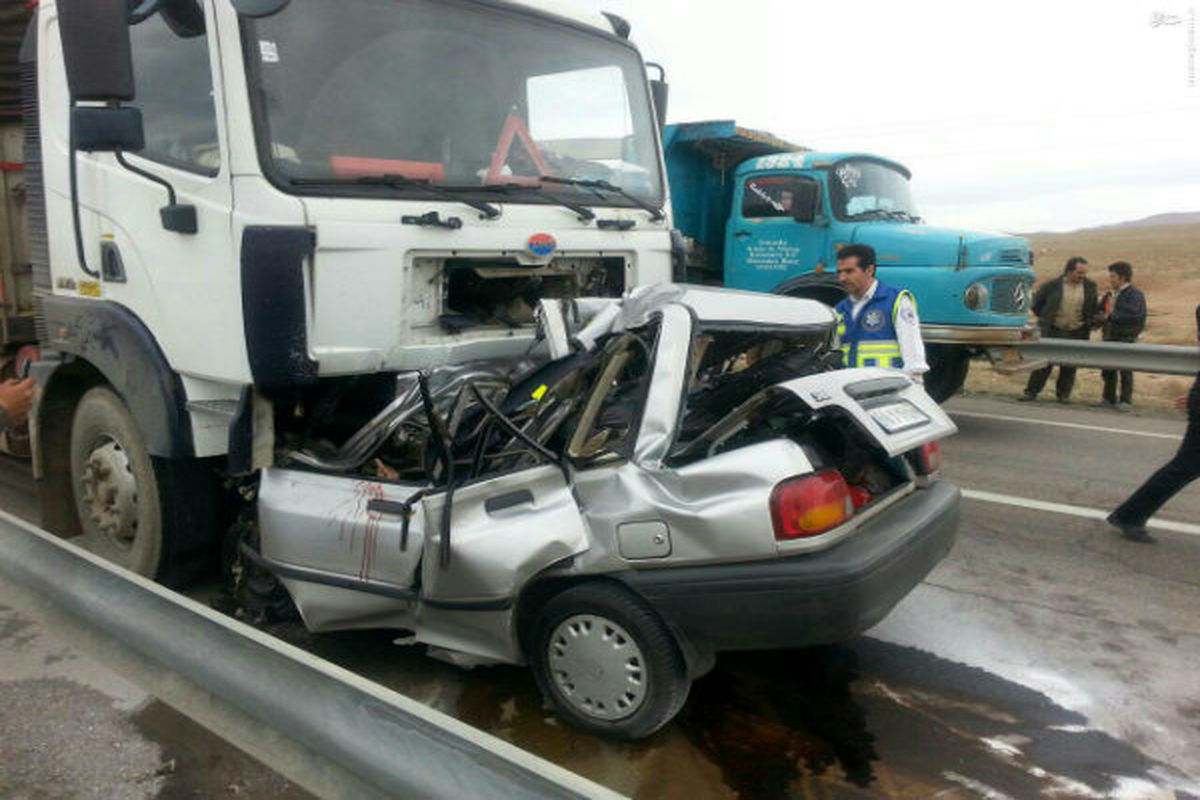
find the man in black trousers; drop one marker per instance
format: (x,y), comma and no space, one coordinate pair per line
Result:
(1130,517)
(1123,318)
(1065,308)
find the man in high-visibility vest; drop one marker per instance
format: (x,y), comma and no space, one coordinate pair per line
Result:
(877,323)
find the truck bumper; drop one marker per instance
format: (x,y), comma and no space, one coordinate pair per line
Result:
(981,335)
(818,598)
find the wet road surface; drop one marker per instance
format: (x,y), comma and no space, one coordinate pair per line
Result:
(1044,658)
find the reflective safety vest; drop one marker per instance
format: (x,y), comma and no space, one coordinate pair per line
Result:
(870,340)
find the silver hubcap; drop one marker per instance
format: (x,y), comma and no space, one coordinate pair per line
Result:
(598,667)
(110,493)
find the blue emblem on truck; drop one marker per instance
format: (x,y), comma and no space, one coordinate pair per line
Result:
(541,244)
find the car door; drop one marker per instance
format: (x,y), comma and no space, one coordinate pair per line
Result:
(765,244)
(342,526)
(502,531)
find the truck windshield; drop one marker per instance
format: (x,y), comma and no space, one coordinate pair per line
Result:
(861,189)
(456,94)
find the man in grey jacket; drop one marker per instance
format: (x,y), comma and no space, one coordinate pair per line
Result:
(1065,308)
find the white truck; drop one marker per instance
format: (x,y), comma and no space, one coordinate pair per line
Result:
(241,210)
(374,293)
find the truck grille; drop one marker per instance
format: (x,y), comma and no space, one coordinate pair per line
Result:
(1013,255)
(1010,295)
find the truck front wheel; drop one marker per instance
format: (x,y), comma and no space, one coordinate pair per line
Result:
(152,516)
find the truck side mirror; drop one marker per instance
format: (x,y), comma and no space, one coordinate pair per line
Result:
(96,50)
(185,18)
(804,203)
(660,91)
(259,8)
(105,129)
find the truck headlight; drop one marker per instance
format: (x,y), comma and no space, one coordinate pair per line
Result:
(976,296)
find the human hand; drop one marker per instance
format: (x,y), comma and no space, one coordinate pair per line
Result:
(16,397)
(1181,402)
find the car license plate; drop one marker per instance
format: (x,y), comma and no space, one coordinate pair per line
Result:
(897,417)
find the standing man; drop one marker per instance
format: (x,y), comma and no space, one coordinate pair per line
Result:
(1123,317)
(877,323)
(1065,308)
(1130,517)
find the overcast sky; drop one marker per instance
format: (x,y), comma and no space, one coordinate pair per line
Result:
(1019,116)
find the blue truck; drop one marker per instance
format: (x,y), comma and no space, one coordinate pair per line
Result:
(760,213)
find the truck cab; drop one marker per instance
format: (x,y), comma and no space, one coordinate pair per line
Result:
(247,216)
(766,215)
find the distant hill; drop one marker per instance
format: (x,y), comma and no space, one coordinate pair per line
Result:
(1174,218)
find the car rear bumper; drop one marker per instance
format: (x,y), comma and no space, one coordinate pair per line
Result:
(817,598)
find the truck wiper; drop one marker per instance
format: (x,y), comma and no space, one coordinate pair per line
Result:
(488,210)
(869,212)
(656,214)
(584,213)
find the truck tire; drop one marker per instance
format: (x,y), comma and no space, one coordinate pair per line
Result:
(948,367)
(144,514)
(607,662)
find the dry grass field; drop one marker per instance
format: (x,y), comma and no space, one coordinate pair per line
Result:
(1166,265)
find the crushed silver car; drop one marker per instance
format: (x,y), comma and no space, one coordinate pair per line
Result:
(677,473)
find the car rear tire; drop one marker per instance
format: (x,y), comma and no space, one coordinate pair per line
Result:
(607,662)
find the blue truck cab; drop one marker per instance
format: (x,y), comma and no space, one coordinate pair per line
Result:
(763,214)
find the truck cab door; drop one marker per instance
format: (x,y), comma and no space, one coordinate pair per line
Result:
(771,234)
(182,281)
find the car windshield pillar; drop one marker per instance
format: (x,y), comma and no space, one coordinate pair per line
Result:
(664,400)
(477,97)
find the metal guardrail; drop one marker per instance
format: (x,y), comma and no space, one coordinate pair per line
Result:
(323,727)
(1162,358)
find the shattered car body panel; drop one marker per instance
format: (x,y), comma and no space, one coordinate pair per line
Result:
(642,447)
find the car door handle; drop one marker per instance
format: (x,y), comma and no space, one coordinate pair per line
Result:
(388,507)
(521,497)
(740,234)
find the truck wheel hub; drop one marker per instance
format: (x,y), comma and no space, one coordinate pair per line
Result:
(110,493)
(598,667)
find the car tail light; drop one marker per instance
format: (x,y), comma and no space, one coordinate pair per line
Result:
(927,459)
(810,505)
(860,495)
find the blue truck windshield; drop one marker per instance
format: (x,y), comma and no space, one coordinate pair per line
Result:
(455,94)
(860,189)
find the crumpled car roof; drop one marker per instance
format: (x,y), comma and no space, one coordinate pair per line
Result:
(713,306)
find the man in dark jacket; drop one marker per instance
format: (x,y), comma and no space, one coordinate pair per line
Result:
(1123,317)
(1130,517)
(1065,308)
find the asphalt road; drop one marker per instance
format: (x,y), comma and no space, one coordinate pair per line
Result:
(1044,657)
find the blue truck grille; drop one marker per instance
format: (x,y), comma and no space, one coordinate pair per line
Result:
(1010,295)
(1013,255)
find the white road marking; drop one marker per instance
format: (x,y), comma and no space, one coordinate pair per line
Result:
(1076,425)
(1074,511)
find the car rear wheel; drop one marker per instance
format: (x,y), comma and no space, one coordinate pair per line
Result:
(607,662)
